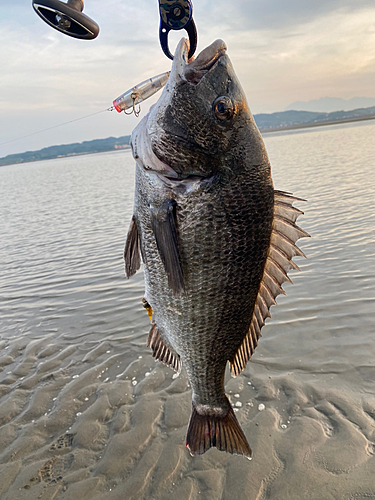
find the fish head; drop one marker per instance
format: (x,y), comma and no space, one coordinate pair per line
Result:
(201,124)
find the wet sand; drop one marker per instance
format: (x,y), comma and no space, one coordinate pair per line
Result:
(93,423)
(86,413)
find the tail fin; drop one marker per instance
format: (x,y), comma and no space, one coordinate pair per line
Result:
(224,432)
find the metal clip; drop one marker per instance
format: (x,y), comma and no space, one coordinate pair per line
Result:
(177,15)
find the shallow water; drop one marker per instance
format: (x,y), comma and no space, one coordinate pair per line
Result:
(85,412)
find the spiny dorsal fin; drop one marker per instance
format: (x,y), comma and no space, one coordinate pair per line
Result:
(279,261)
(160,350)
(132,254)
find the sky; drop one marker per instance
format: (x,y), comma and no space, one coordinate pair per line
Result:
(282,50)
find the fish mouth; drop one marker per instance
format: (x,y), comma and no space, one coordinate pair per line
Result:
(194,69)
(184,70)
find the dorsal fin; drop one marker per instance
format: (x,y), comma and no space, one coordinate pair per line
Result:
(161,351)
(279,261)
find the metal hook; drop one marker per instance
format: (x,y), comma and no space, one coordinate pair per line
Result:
(177,15)
(139,93)
(136,112)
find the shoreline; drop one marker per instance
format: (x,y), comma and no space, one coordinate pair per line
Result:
(318,124)
(287,128)
(59,157)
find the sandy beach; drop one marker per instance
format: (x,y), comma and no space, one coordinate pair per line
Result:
(97,425)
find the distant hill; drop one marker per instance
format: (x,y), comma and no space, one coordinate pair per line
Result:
(288,119)
(95,146)
(331,104)
(283,120)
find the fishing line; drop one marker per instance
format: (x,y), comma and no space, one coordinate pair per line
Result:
(111,108)
(128,100)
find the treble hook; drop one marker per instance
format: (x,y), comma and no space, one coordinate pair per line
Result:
(139,93)
(136,112)
(177,15)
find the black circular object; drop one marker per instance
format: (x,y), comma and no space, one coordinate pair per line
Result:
(67,18)
(223,107)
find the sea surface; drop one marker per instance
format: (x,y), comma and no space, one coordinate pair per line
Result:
(86,413)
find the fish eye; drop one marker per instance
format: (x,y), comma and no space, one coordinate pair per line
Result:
(223,107)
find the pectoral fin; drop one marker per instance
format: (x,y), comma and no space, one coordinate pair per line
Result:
(165,231)
(132,254)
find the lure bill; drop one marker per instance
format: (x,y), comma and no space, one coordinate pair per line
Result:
(140,92)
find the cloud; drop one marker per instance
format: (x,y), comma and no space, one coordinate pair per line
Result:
(332,55)
(282,50)
(275,14)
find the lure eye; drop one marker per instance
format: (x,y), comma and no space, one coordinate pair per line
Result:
(223,107)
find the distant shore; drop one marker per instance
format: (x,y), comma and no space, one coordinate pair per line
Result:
(263,131)
(318,124)
(70,155)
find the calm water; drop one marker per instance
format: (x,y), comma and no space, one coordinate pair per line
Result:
(73,334)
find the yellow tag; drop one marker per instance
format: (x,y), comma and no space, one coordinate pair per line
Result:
(148,308)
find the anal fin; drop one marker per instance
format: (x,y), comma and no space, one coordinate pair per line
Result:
(161,351)
(132,253)
(212,429)
(165,231)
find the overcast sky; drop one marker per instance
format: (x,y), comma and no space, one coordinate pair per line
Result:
(283,51)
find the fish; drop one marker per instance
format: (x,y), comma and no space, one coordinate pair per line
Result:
(215,238)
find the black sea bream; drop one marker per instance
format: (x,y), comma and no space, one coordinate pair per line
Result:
(216,239)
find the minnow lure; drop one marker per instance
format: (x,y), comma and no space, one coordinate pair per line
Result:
(140,93)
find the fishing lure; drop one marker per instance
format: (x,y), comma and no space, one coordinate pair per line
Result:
(140,93)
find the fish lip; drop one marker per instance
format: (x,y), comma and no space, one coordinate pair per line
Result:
(193,70)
